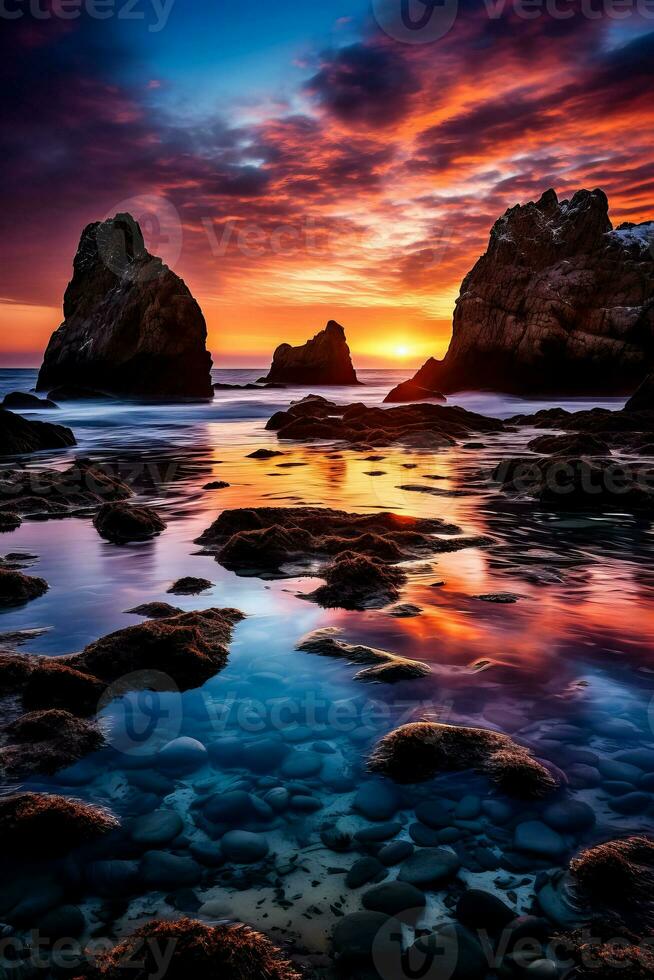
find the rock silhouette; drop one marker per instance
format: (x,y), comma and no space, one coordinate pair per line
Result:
(323,360)
(131,326)
(560,303)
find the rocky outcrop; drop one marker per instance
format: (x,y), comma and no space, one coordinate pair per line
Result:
(131,326)
(19,435)
(324,360)
(560,303)
(23,401)
(418,388)
(420,750)
(122,523)
(420,426)
(40,825)
(356,554)
(198,950)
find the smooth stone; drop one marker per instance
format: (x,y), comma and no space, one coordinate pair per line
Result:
(631,803)
(537,838)
(355,934)
(158,827)
(301,765)
(642,758)
(112,878)
(468,808)
(620,771)
(162,870)
(429,867)
(67,921)
(235,807)
(207,853)
(325,748)
(216,908)
(583,776)
(449,835)
(278,798)
(451,953)
(227,752)
(182,755)
(38,897)
(647,782)
(305,804)
(380,832)
(394,898)
(478,909)
(614,788)
(151,782)
(244,847)
(542,970)
(424,836)
(377,800)
(395,852)
(434,814)
(364,871)
(569,816)
(264,755)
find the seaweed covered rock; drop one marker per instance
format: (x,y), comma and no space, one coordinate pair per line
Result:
(198,951)
(17,588)
(43,825)
(617,879)
(579,482)
(422,426)
(355,552)
(19,435)
(131,326)
(323,360)
(355,581)
(420,750)
(45,741)
(154,610)
(382,666)
(55,493)
(121,523)
(189,585)
(190,648)
(53,684)
(9,522)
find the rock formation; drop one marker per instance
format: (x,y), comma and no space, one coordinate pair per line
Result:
(131,326)
(323,360)
(19,435)
(419,387)
(559,304)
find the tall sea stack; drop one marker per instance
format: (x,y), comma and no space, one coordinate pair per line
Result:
(131,326)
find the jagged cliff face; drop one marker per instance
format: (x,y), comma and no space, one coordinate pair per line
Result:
(131,326)
(559,304)
(324,360)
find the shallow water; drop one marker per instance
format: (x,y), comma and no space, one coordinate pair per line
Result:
(566,669)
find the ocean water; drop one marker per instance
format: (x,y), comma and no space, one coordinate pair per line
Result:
(566,669)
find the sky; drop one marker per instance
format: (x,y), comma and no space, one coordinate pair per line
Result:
(299,162)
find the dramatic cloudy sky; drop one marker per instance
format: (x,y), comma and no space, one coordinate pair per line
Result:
(295,162)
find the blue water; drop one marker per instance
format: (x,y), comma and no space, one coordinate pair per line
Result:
(570,665)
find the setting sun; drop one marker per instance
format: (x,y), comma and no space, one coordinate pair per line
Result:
(402,351)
